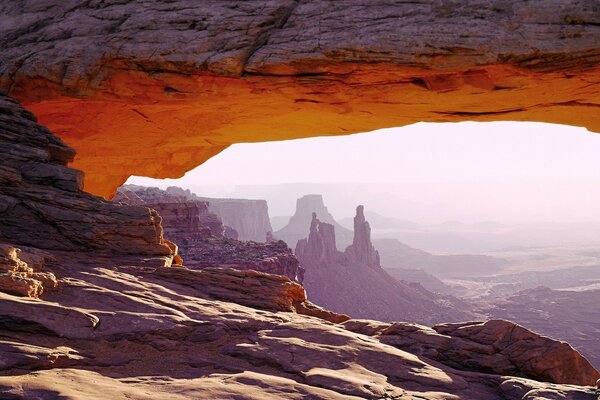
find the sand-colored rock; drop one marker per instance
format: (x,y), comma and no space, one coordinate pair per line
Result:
(495,346)
(193,80)
(18,278)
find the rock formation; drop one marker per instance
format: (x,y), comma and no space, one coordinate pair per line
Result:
(306,206)
(123,325)
(200,234)
(361,251)
(181,218)
(495,346)
(249,218)
(21,279)
(42,203)
(353,283)
(101,73)
(570,315)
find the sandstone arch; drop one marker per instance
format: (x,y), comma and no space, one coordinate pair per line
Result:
(157,89)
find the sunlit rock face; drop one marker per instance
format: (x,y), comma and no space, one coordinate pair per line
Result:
(155,89)
(42,203)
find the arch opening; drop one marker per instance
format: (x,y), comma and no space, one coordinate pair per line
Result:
(491,215)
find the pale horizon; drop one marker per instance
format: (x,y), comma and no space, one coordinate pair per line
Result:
(508,172)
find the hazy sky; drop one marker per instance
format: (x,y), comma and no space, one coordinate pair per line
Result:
(503,171)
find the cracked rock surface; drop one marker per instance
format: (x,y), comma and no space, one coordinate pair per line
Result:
(191,80)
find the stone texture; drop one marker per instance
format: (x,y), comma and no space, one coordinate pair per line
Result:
(496,346)
(569,315)
(197,79)
(42,203)
(342,282)
(200,235)
(249,218)
(19,278)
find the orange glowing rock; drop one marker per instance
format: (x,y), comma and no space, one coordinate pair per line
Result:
(145,91)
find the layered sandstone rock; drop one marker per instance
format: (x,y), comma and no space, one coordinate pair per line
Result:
(353,283)
(249,218)
(20,278)
(196,79)
(496,346)
(200,234)
(42,203)
(306,206)
(181,218)
(569,315)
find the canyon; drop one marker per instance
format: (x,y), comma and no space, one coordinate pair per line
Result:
(202,238)
(353,282)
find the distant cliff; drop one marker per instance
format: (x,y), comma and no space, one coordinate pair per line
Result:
(250,218)
(352,282)
(305,207)
(203,240)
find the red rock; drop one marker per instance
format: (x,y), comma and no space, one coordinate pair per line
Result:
(42,204)
(199,234)
(353,283)
(232,74)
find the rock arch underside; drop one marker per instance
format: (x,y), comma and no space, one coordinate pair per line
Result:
(155,89)
(96,301)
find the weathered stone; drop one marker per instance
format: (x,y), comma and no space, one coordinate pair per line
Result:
(196,79)
(496,346)
(42,204)
(200,237)
(361,251)
(353,283)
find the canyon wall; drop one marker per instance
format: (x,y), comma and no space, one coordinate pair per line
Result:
(42,203)
(201,236)
(249,218)
(196,79)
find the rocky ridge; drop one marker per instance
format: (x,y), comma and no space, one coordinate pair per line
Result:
(249,218)
(200,234)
